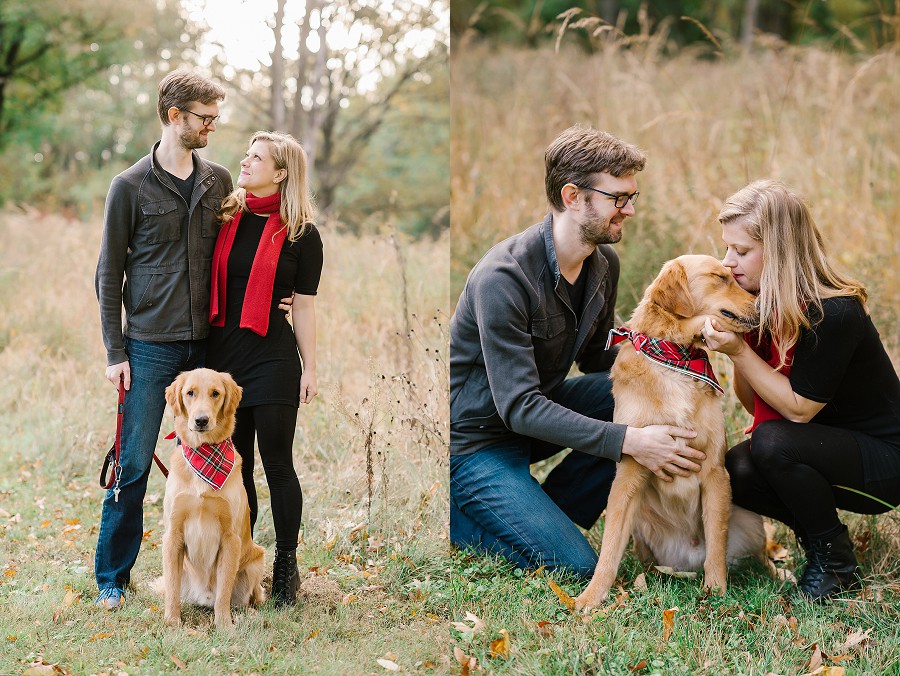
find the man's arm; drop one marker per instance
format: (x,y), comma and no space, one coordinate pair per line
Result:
(108,279)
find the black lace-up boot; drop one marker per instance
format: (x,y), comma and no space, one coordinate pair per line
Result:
(285,577)
(830,567)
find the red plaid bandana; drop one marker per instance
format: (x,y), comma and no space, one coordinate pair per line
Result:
(687,359)
(211,462)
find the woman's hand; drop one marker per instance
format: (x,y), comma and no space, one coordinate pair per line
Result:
(726,342)
(308,387)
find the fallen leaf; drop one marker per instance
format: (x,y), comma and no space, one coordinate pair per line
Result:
(349,598)
(567,600)
(545,628)
(477,624)
(102,634)
(390,665)
(500,646)
(537,572)
(313,634)
(177,662)
(41,668)
(668,622)
(854,639)
(640,582)
(640,665)
(468,662)
(815,660)
(68,600)
(744,618)
(667,570)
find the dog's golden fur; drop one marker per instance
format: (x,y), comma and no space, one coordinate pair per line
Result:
(688,522)
(209,557)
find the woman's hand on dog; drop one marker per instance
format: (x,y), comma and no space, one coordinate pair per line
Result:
(657,447)
(726,342)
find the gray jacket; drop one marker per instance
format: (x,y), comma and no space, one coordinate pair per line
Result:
(156,254)
(513,339)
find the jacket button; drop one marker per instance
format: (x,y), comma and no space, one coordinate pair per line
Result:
(149,303)
(161,210)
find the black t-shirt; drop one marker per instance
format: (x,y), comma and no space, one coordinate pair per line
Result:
(185,185)
(576,291)
(842,363)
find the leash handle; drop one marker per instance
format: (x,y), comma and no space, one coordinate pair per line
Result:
(112,455)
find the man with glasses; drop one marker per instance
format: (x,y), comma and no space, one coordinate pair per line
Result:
(532,306)
(158,237)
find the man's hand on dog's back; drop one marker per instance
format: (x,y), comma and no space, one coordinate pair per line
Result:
(657,447)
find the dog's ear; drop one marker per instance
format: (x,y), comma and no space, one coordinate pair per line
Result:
(173,396)
(670,290)
(233,393)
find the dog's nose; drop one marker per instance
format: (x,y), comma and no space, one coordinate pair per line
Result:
(201,421)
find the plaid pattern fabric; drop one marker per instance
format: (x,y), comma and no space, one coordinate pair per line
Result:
(686,359)
(211,462)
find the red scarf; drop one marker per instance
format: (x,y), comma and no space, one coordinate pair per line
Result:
(210,462)
(767,351)
(258,298)
(686,359)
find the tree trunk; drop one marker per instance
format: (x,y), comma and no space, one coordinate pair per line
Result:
(748,26)
(277,72)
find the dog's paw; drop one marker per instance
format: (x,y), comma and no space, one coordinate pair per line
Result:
(224,622)
(717,588)
(173,620)
(588,600)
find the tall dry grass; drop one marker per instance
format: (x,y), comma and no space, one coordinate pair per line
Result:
(823,122)
(370,452)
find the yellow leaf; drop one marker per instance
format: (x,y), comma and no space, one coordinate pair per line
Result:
(815,661)
(500,646)
(349,598)
(45,524)
(567,600)
(68,600)
(177,662)
(102,634)
(329,545)
(668,622)
(312,635)
(468,662)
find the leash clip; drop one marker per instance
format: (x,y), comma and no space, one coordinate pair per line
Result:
(118,472)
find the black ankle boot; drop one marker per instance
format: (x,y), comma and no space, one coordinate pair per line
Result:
(830,567)
(285,577)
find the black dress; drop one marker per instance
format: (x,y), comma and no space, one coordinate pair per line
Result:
(267,367)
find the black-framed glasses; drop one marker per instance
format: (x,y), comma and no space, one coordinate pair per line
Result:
(621,200)
(205,119)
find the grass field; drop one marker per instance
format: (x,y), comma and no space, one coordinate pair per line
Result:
(822,122)
(376,550)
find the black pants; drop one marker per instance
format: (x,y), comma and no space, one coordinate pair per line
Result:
(792,472)
(273,426)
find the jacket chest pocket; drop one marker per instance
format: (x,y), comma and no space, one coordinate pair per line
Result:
(161,221)
(209,206)
(551,341)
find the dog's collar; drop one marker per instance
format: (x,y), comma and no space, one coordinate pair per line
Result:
(210,462)
(686,359)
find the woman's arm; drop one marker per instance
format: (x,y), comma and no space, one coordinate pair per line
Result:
(303,317)
(773,387)
(743,391)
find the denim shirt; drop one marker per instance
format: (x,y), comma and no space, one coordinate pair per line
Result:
(513,339)
(156,254)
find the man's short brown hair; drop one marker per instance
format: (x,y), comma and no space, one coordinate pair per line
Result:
(581,151)
(179,88)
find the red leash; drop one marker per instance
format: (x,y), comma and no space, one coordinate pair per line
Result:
(112,455)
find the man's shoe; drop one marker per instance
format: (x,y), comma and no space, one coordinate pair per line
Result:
(111,598)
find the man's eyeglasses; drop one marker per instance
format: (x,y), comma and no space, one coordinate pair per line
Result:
(621,200)
(205,119)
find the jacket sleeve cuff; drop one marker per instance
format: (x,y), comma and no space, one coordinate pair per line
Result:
(116,356)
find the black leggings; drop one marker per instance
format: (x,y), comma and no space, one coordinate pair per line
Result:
(791,472)
(273,426)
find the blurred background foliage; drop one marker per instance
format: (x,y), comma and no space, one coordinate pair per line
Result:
(78,102)
(850,24)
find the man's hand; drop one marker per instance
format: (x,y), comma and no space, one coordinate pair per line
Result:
(285,305)
(116,371)
(663,450)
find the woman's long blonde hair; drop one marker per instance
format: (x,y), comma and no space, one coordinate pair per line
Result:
(297,208)
(796,275)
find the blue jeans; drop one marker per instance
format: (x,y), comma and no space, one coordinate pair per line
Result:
(154,365)
(497,506)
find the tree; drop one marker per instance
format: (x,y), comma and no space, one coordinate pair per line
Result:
(355,58)
(48,47)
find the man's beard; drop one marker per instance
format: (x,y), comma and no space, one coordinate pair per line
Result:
(595,231)
(191,140)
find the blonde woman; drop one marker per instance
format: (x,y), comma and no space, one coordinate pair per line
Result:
(824,395)
(267,249)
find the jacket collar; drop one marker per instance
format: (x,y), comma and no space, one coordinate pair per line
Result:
(204,177)
(596,263)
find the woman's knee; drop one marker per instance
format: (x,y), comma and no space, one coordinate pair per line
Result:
(770,445)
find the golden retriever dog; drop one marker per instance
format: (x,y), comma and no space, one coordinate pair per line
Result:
(688,522)
(209,557)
